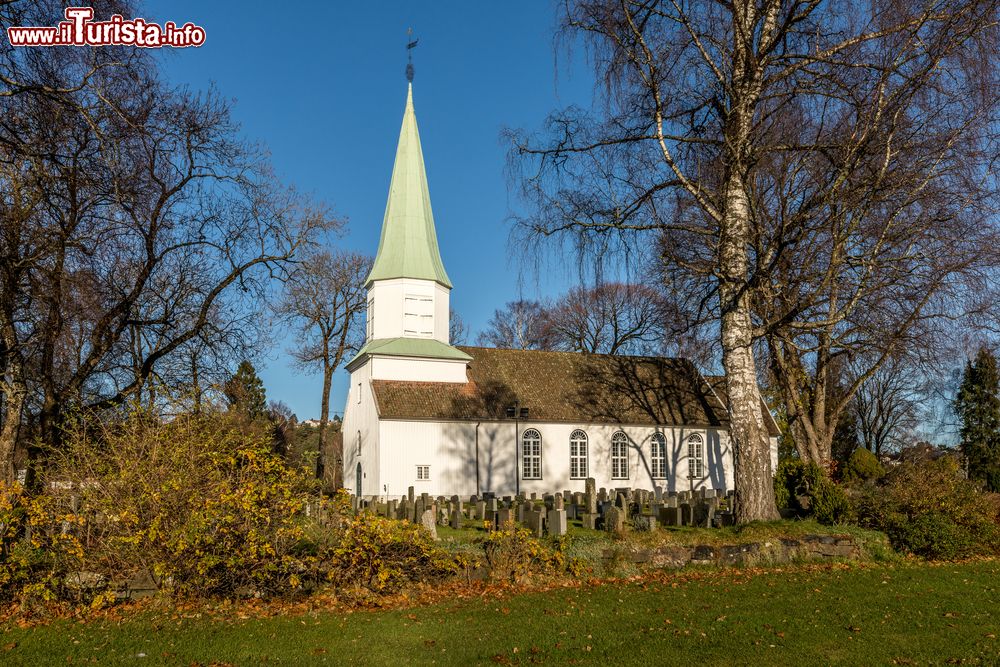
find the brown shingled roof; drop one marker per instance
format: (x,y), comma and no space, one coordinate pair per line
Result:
(561,387)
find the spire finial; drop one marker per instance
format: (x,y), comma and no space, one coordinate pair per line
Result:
(410,45)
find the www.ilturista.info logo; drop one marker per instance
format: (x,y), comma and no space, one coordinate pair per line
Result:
(79,29)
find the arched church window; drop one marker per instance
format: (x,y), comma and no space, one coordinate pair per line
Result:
(531,454)
(578,455)
(619,456)
(696,457)
(658,456)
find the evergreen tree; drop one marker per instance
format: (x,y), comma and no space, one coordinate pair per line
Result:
(245,392)
(978,407)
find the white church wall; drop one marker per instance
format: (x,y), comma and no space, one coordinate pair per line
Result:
(389,307)
(449,449)
(417,369)
(361,425)
(442,313)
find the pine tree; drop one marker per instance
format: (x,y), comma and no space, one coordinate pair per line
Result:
(978,408)
(245,392)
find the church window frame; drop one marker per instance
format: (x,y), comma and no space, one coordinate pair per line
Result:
(531,454)
(658,456)
(423,473)
(619,456)
(696,456)
(578,454)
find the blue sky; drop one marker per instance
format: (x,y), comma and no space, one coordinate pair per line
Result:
(322,85)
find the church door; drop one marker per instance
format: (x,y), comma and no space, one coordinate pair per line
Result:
(357,484)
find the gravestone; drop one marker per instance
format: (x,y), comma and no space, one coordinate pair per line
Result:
(559,503)
(533,521)
(504,517)
(589,520)
(456,520)
(409,495)
(557,522)
(481,510)
(644,523)
(670,516)
(686,517)
(614,520)
(427,521)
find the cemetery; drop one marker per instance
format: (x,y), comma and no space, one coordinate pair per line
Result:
(647,529)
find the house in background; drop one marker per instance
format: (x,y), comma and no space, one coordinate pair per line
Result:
(469,420)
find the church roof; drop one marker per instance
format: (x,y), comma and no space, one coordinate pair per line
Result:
(411,347)
(408,247)
(561,387)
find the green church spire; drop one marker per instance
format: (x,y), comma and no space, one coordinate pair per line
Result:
(408,247)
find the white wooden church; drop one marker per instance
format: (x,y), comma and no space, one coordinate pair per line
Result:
(469,420)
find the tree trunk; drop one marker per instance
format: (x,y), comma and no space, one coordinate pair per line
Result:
(14,395)
(754,485)
(328,464)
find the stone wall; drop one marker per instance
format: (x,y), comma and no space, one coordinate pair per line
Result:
(776,551)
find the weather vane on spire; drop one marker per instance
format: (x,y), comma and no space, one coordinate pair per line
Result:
(410,45)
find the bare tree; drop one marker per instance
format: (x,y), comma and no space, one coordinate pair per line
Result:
(325,300)
(715,111)
(520,325)
(887,406)
(458,330)
(137,225)
(611,318)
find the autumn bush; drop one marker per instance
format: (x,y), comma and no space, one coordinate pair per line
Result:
(804,489)
(38,547)
(383,555)
(928,509)
(199,502)
(202,505)
(512,552)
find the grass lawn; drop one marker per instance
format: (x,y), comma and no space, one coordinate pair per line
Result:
(884,614)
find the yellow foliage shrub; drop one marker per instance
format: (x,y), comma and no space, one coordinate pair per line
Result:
(37,546)
(199,502)
(382,554)
(512,552)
